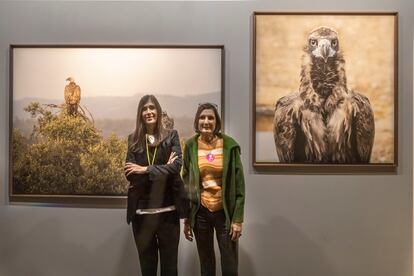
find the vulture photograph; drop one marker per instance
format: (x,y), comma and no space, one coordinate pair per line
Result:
(73,108)
(324,121)
(72,96)
(324,89)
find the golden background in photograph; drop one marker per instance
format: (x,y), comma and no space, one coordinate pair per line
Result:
(367,43)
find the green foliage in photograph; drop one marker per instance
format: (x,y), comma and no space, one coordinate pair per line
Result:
(66,154)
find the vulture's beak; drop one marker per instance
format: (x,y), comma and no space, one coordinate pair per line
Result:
(324,50)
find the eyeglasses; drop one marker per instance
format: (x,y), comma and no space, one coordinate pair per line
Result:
(207,103)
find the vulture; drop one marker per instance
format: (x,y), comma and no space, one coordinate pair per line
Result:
(167,122)
(324,122)
(72,96)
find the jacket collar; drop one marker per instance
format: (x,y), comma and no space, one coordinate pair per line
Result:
(228,142)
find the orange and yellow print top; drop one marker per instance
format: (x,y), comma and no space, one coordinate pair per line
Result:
(210,163)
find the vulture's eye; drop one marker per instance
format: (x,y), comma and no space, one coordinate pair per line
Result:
(313,42)
(334,43)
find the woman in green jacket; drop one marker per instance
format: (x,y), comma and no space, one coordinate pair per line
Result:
(213,176)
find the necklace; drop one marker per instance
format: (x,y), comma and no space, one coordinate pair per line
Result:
(146,145)
(211,156)
(151,138)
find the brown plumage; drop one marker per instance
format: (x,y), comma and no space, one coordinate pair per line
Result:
(167,121)
(72,96)
(324,122)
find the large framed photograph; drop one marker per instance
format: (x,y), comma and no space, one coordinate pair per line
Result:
(325,92)
(73,106)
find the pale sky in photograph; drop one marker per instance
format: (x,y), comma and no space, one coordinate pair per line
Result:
(42,72)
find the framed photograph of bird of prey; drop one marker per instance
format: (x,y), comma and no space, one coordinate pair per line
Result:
(325,92)
(72,108)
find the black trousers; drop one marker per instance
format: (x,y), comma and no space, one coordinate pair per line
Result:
(205,224)
(153,234)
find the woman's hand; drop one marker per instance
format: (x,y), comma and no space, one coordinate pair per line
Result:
(235,231)
(188,232)
(172,158)
(131,168)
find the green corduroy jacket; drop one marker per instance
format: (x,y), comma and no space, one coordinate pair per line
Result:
(233,193)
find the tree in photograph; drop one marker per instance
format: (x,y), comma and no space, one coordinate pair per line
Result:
(66,154)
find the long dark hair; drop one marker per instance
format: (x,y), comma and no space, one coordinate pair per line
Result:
(160,132)
(200,109)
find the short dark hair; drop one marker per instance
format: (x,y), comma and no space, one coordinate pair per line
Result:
(200,109)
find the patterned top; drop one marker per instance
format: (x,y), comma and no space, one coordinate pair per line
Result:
(210,163)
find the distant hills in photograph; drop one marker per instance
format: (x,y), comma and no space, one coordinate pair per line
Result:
(117,114)
(114,107)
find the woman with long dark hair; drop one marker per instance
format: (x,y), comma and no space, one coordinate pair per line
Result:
(213,177)
(155,200)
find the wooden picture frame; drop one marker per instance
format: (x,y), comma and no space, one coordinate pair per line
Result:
(73,153)
(325,92)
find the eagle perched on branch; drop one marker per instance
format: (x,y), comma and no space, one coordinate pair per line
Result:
(72,96)
(324,122)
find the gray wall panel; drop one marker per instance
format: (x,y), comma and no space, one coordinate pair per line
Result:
(322,225)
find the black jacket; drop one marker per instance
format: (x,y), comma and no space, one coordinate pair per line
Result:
(162,185)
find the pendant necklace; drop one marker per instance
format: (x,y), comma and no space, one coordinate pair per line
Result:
(210,156)
(151,140)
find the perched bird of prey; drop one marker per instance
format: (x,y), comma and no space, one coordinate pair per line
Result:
(72,96)
(324,122)
(167,122)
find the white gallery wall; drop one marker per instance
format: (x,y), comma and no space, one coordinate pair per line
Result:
(313,225)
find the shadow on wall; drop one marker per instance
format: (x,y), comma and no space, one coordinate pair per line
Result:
(47,248)
(189,263)
(128,262)
(282,249)
(245,261)
(44,249)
